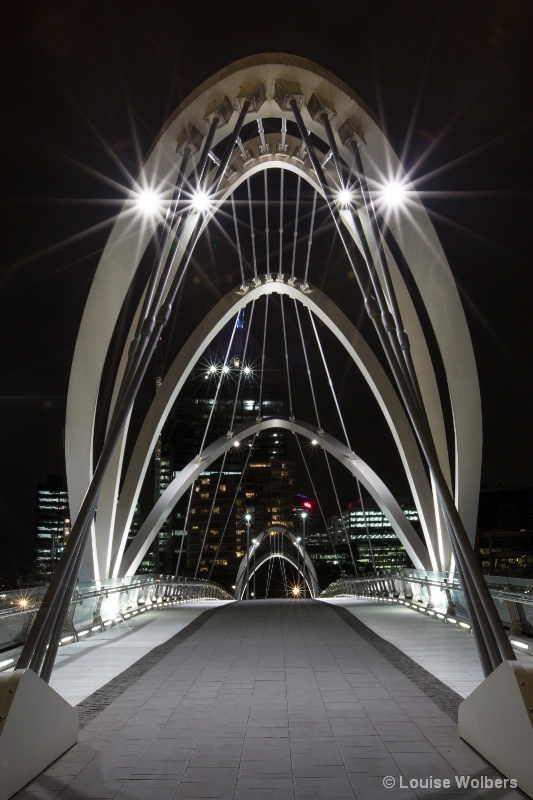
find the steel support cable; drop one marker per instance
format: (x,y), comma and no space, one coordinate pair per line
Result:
(281,201)
(318,422)
(167,229)
(334,150)
(401,333)
(45,659)
(341,515)
(491,646)
(245,351)
(400,344)
(239,484)
(308,368)
(493,637)
(252,228)
(208,524)
(491,640)
(269,576)
(241,148)
(261,134)
(161,305)
(267,230)
(398,335)
(56,601)
(291,413)
(310,239)
(283,574)
(215,494)
(328,197)
(387,318)
(370,546)
(223,371)
(348,444)
(157,267)
(185,524)
(403,339)
(148,320)
(306,465)
(237,237)
(260,407)
(330,382)
(295,235)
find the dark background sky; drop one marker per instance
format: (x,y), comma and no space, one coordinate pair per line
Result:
(85,88)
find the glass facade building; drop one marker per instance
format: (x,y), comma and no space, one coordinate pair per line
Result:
(52,525)
(374,543)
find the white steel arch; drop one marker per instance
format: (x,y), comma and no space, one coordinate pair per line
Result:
(358,350)
(260,77)
(133,556)
(246,571)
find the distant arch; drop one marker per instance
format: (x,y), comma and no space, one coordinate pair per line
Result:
(247,568)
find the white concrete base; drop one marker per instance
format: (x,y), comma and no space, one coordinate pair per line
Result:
(36,727)
(497,721)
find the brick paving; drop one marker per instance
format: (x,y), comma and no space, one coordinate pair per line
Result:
(269,700)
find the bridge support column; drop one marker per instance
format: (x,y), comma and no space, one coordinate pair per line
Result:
(497,721)
(36,726)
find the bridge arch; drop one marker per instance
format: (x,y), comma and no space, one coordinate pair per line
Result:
(247,567)
(261,77)
(133,556)
(358,350)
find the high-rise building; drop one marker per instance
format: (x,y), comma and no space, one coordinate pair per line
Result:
(52,525)
(253,478)
(374,544)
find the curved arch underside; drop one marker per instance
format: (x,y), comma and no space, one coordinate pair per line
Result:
(130,561)
(415,238)
(179,370)
(248,567)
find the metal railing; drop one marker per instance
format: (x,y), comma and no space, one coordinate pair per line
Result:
(439,594)
(97,606)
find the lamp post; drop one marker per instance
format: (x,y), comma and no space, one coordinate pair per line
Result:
(304,517)
(254,542)
(247,517)
(298,540)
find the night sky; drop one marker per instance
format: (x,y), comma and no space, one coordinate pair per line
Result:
(86,87)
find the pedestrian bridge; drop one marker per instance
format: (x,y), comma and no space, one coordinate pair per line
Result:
(268,698)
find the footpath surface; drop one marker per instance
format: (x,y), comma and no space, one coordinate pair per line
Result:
(270,700)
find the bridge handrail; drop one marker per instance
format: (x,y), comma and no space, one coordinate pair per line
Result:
(440,594)
(515,589)
(97,605)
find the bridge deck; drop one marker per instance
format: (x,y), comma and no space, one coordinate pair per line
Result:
(267,699)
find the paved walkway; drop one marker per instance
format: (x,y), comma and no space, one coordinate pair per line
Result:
(448,652)
(85,666)
(269,700)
